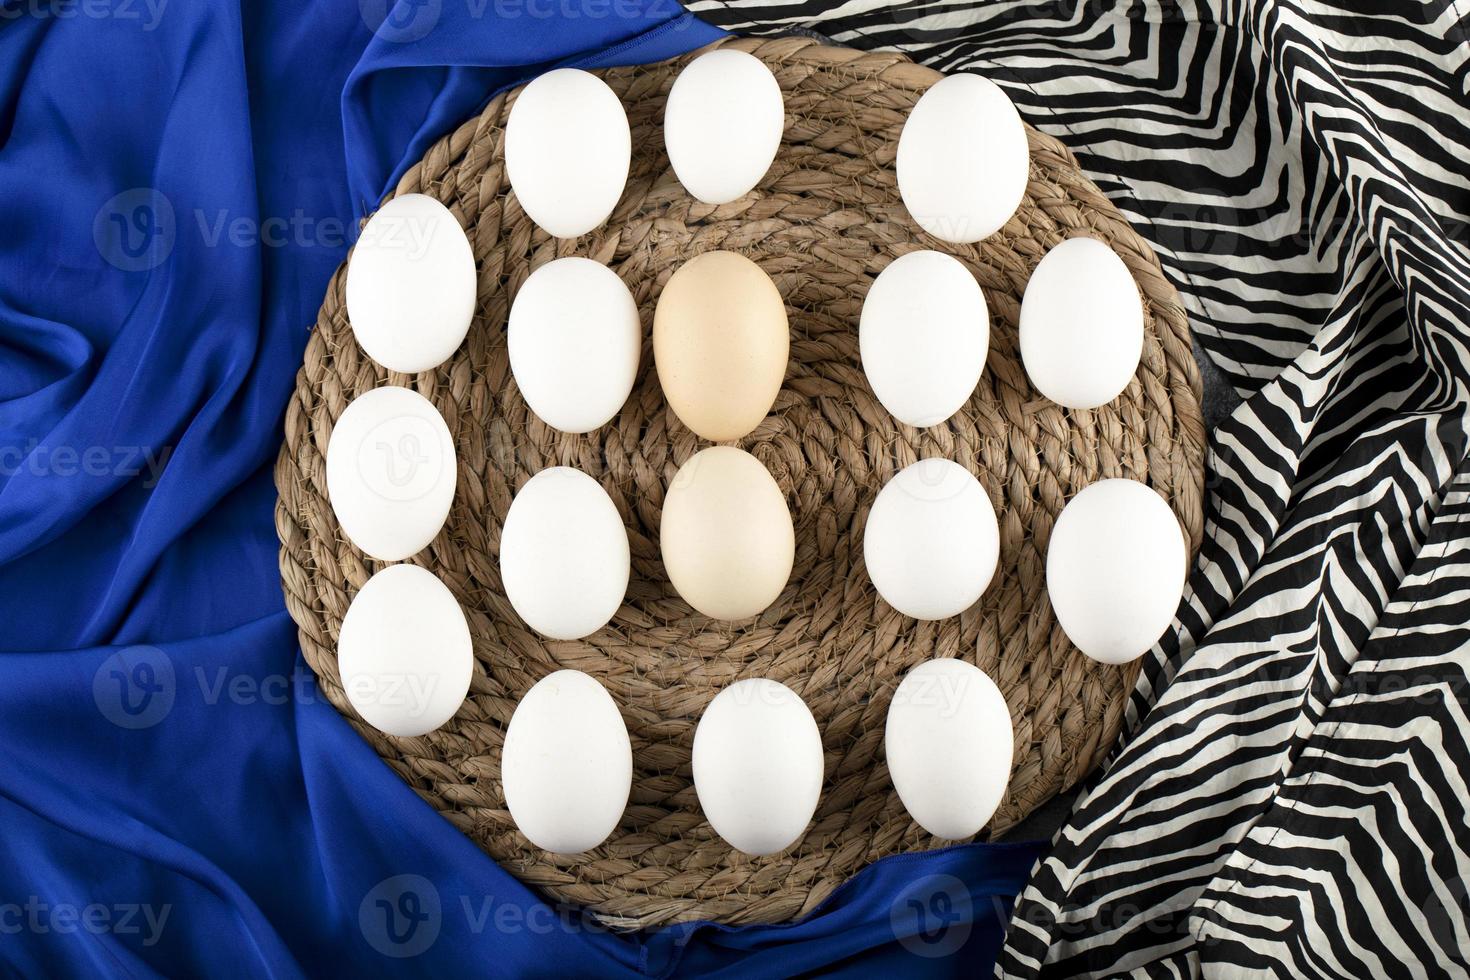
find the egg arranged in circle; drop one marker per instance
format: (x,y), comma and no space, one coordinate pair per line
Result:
(1081,324)
(931,542)
(962,160)
(722,124)
(924,335)
(574,339)
(391,472)
(726,534)
(949,742)
(567,151)
(411,283)
(567,765)
(758,766)
(720,343)
(1115,569)
(404,652)
(564,557)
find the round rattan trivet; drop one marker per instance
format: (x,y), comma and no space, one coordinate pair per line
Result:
(823,223)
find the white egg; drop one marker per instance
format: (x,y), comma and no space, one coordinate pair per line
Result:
(390,472)
(722,124)
(962,159)
(404,652)
(949,745)
(931,541)
(1081,324)
(567,765)
(758,766)
(567,149)
(923,335)
(411,285)
(564,554)
(574,339)
(1115,569)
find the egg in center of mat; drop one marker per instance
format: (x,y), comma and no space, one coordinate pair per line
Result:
(726,534)
(720,344)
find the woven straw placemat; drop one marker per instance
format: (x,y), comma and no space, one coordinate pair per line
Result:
(824,221)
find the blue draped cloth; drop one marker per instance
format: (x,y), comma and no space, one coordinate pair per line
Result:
(177,183)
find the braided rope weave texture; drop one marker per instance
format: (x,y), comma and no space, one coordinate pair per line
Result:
(825,220)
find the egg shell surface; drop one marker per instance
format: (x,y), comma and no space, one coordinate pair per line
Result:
(1081,324)
(411,285)
(949,743)
(567,765)
(758,766)
(564,559)
(722,124)
(1115,569)
(567,151)
(574,340)
(391,472)
(962,161)
(726,535)
(720,343)
(924,334)
(404,652)
(931,541)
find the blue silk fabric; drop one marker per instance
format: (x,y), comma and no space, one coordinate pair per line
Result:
(178,180)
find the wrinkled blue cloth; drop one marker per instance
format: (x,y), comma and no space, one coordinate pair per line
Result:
(177,184)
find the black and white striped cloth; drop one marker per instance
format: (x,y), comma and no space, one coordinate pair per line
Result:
(1290,795)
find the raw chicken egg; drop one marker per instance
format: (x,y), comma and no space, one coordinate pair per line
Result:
(567,765)
(574,340)
(1081,324)
(758,766)
(1115,569)
(931,542)
(924,335)
(726,534)
(390,472)
(949,744)
(962,159)
(411,285)
(567,151)
(564,557)
(404,652)
(722,124)
(720,344)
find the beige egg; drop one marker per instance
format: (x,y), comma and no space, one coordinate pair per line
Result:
(720,344)
(726,534)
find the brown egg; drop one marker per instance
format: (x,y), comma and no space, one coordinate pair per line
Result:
(726,534)
(720,344)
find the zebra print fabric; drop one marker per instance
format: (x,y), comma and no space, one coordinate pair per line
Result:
(1290,794)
